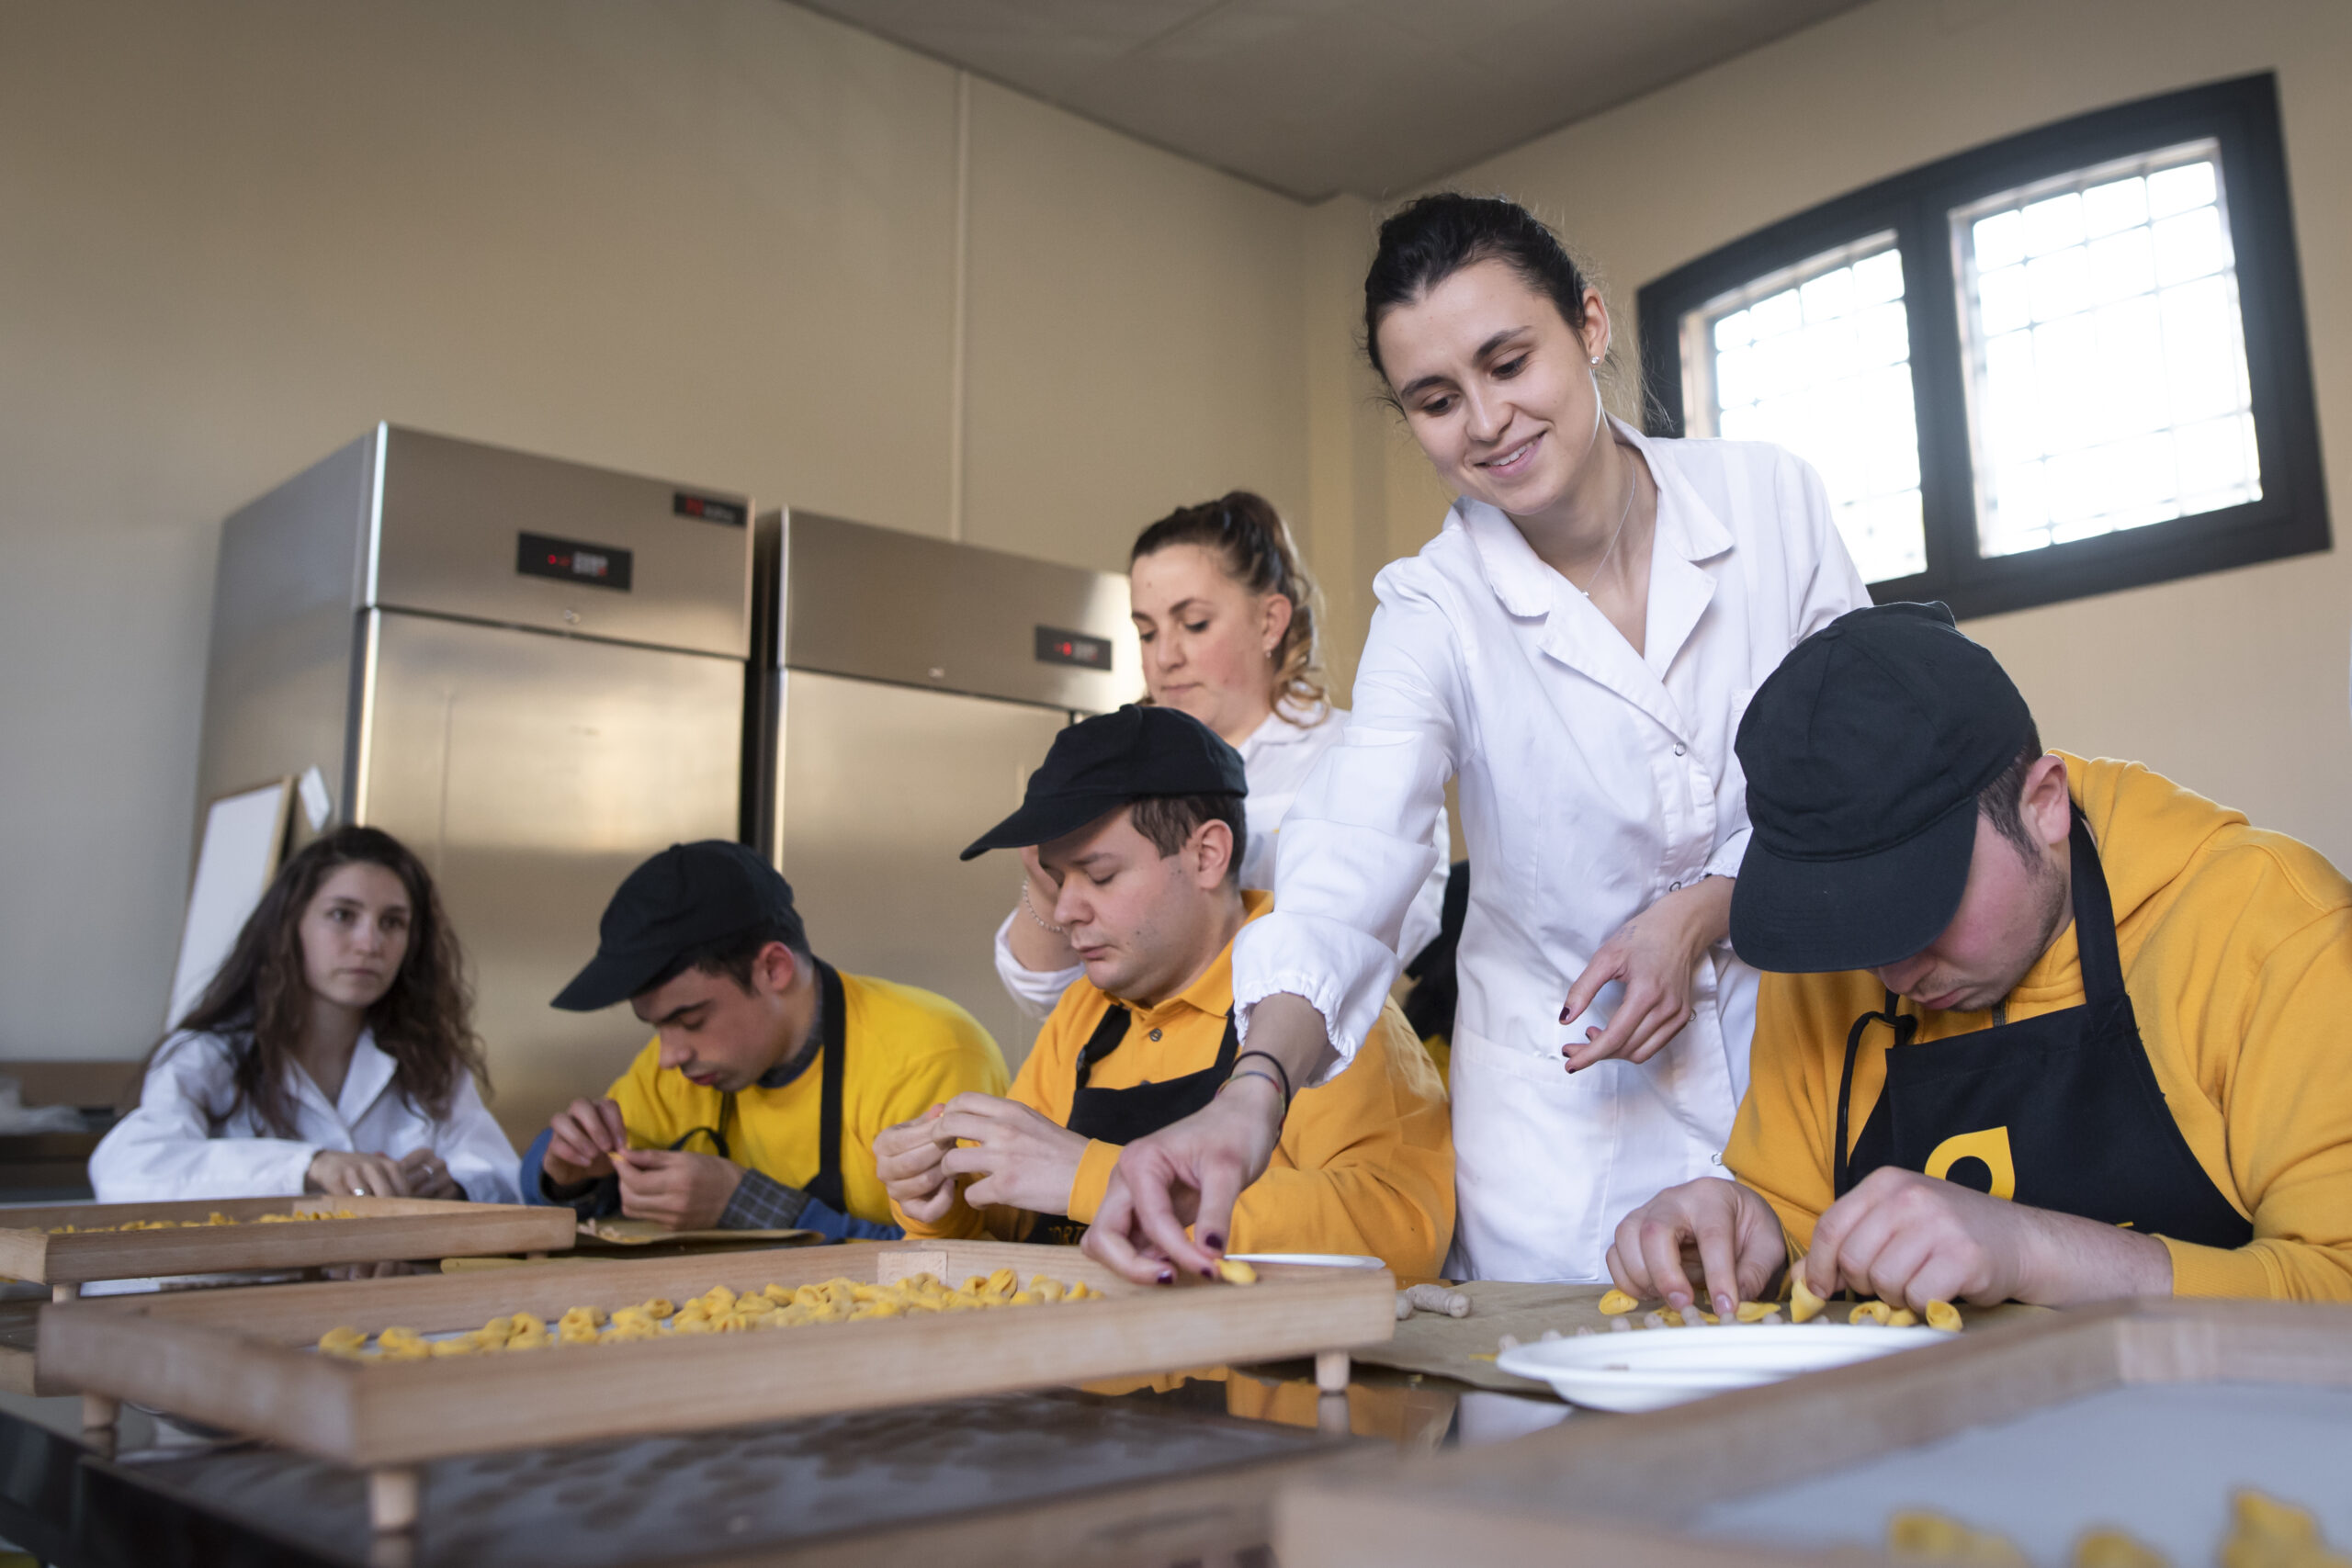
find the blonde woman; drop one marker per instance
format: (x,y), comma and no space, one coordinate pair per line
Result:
(1227,616)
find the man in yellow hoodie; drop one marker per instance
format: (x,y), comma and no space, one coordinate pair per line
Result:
(1137,817)
(2033,1027)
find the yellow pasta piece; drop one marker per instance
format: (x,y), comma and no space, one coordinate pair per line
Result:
(342,1338)
(2113,1549)
(1920,1535)
(498,1327)
(1751,1311)
(458,1347)
(1233,1271)
(530,1339)
(1870,1311)
(1943,1316)
(1804,1305)
(1670,1318)
(2268,1533)
(1617,1303)
(659,1308)
(1901,1318)
(526,1323)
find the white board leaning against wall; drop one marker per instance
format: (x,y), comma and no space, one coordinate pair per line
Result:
(244,836)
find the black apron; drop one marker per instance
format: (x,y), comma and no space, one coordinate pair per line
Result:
(2059,1111)
(1122,1115)
(827,1187)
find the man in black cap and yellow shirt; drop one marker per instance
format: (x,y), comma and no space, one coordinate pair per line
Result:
(1137,816)
(756,1104)
(2033,1027)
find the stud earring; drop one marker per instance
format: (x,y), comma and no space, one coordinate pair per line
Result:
(1595,359)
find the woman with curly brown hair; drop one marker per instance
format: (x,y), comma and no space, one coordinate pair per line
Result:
(334,1052)
(1226,613)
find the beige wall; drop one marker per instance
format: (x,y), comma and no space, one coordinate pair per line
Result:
(715,242)
(2233,684)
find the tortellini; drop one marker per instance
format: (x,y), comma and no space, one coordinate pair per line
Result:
(717,1311)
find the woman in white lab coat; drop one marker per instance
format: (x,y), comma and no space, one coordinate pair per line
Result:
(1226,615)
(331,1053)
(1575,648)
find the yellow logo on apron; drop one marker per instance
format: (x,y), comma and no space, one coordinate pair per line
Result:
(1991,1146)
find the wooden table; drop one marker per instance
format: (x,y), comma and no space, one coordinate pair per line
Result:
(242,1360)
(1661,1488)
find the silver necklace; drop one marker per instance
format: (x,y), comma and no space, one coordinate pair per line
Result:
(1633,487)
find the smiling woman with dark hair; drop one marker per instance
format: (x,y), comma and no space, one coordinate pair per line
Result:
(334,1052)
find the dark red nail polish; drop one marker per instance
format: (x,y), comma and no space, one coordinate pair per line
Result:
(1167,1276)
(1214,1243)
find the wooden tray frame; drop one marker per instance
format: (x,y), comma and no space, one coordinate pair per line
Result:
(386,1228)
(241,1358)
(1606,1492)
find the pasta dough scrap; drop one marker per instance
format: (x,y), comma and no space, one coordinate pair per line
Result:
(2113,1549)
(1617,1303)
(1920,1535)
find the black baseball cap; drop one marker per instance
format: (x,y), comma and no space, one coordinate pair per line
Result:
(1100,765)
(687,896)
(1865,751)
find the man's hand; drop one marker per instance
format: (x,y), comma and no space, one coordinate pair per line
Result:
(1024,1160)
(1729,1232)
(427,1177)
(1189,1173)
(583,1136)
(907,1158)
(1912,1239)
(342,1173)
(1655,954)
(684,1191)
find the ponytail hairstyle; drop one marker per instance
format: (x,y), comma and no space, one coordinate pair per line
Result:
(260,999)
(1428,241)
(1253,546)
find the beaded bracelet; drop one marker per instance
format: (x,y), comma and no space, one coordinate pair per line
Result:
(1032,908)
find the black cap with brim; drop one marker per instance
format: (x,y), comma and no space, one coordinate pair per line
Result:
(1041,821)
(1864,753)
(688,896)
(1100,765)
(1823,916)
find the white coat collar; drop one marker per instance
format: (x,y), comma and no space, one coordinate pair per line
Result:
(1277,730)
(1575,633)
(1688,528)
(370,1075)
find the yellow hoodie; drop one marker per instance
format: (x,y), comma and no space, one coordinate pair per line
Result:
(2236,947)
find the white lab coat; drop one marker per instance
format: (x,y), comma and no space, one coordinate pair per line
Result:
(1593,780)
(182,1144)
(1277,758)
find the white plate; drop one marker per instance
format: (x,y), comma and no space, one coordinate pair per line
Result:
(1651,1368)
(1313,1259)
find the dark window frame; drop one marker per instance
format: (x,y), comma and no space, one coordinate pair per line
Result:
(2291,518)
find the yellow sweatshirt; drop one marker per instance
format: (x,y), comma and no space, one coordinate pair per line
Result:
(903,1050)
(1365,1164)
(2236,947)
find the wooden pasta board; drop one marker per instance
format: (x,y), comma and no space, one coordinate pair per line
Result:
(242,1360)
(384,1229)
(1604,1490)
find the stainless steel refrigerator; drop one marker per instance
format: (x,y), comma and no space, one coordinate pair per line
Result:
(908,686)
(531,672)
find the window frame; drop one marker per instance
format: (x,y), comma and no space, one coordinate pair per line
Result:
(2289,519)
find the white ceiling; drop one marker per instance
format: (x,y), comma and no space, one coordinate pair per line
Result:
(1315,96)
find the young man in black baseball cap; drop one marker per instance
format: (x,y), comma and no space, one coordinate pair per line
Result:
(2033,1027)
(756,1104)
(1137,820)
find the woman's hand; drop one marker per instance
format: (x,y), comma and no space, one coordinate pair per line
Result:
(1655,954)
(1190,1173)
(428,1177)
(1040,948)
(342,1174)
